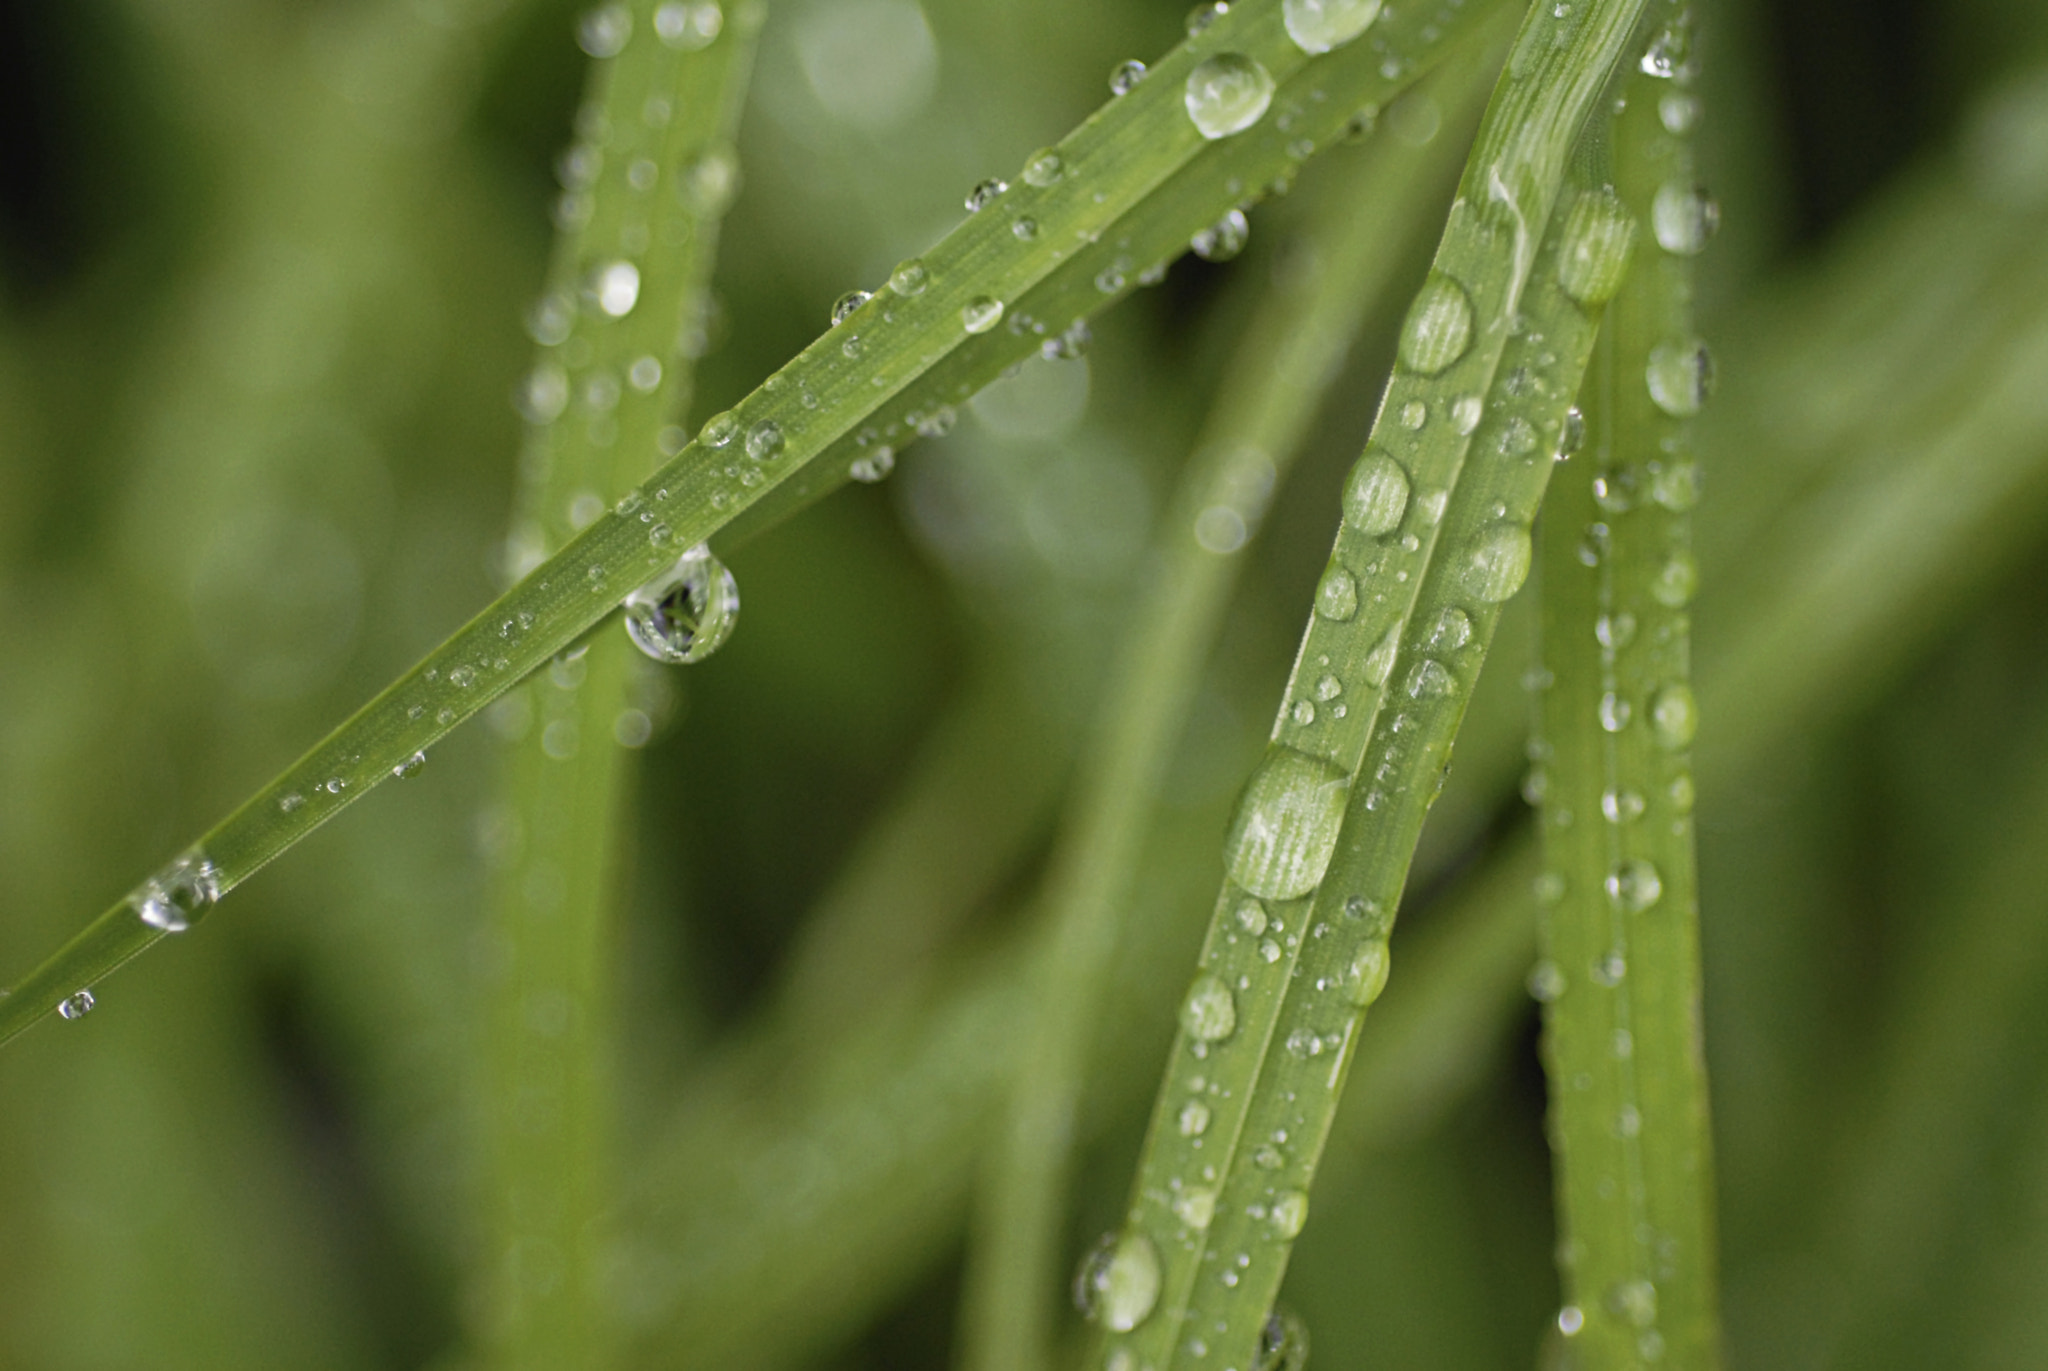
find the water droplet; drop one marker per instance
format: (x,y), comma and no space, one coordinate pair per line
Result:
(410,767)
(1118,1282)
(178,896)
(1337,595)
(1634,885)
(1610,971)
(1195,1206)
(1679,112)
(294,802)
(1210,1012)
(77,1006)
(604,31)
(1438,328)
(1599,235)
(1328,687)
(765,441)
(845,305)
(1497,562)
(1465,413)
(1368,974)
(1251,917)
(1681,793)
(1621,806)
(1319,25)
(1674,718)
(1283,1344)
(1024,229)
(1451,631)
(688,26)
(1193,1119)
(1571,1320)
(1675,581)
(984,194)
(873,465)
(1677,486)
(1285,829)
(1614,712)
(981,314)
(910,278)
(684,614)
(1546,983)
(1680,377)
(1304,713)
(616,288)
(719,429)
(1684,217)
(1379,663)
(644,374)
(1125,76)
(1227,94)
(1289,1213)
(1615,631)
(1376,495)
(1414,415)
(1430,679)
(1223,239)
(1668,53)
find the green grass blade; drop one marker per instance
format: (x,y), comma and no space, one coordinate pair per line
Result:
(1491,352)
(659,115)
(1139,160)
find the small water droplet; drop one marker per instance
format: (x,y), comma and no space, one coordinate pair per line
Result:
(1614,712)
(1024,229)
(1674,718)
(410,767)
(1599,235)
(1303,713)
(1571,1320)
(1615,631)
(1044,168)
(984,194)
(1430,679)
(1195,1206)
(1316,26)
(1675,581)
(1285,829)
(719,429)
(1621,806)
(765,441)
(1680,376)
(981,314)
(1414,415)
(1210,1012)
(1379,663)
(1684,218)
(687,612)
(1201,16)
(1328,687)
(1223,239)
(910,278)
(1125,76)
(873,465)
(1465,413)
(845,305)
(77,1006)
(1118,1282)
(1610,971)
(1227,94)
(1438,328)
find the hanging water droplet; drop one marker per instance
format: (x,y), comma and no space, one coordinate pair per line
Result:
(1674,718)
(1614,712)
(178,896)
(1193,1119)
(1684,217)
(1438,328)
(616,288)
(1668,53)
(1376,495)
(984,194)
(1571,436)
(1497,562)
(1337,595)
(604,31)
(873,465)
(687,612)
(1680,377)
(845,305)
(1125,76)
(410,767)
(1289,1213)
(981,314)
(77,1006)
(1227,94)
(1599,235)
(1118,1282)
(910,278)
(1285,828)
(1210,1012)
(1223,239)
(1283,1344)
(1316,26)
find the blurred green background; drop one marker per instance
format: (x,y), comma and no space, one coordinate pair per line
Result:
(263,267)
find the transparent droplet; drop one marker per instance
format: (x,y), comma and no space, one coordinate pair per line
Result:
(687,612)
(1024,229)
(1676,487)
(1283,1344)
(1684,218)
(1227,94)
(410,767)
(1368,974)
(1592,259)
(178,896)
(77,1006)
(1044,168)
(1572,435)
(1125,76)
(1430,679)
(845,305)
(1118,1282)
(1209,1014)
(873,465)
(1451,630)
(765,441)
(1319,25)
(710,184)
(981,314)
(1289,1213)
(1680,377)
(1614,712)
(1193,1119)
(1285,829)
(604,31)
(984,194)
(1195,1206)
(1466,412)
(910,278)
(1674,718)
(616,288)
(1201,16)
(1668,53)
(1497,562)
(719,429)
(1621,806)
(1438,328)
(1414,415)
(1223,239)
(1328,687)
(1571,1320)
(1304,713)
(1376,495)
(1610,971)
(1634,885)
(1337,595)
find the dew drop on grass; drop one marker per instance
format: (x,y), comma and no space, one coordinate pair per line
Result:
(719,429)
(1195,1206)
(1451,631)
(1466,412)
(1680,376)
(1316,26)
(1615,631)
(615,287)
(910,278)
(1677,486)
(1497,562)
(1223,239)
(1193,1119)
(1675,581)
(1674,718)
(1125,76)
(688,27)
(1684,218)
(604,31)
(1227,94)
(984,194)
(1414,415)
(1379,663)
(76,1006)
(1289,1213)
(1571,1320)
(1621,806)
(1430,679)
(1438,328)
(981,314)
(687,612)
(1571,435)
(1546,983)
(1044,168)
(1285,829)
(1634,886)
(1283,1344)
(765,441)
(1376,494)
(1201,16)
(1118,1282)
(1368,974)
(1614,712)
(845,305)
(178,896)
(1599,234)
(410,767)
(1024,229)
(1209,1014)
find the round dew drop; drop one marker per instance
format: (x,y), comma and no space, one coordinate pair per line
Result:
(1438,328)
(178,896)
(719,429)
(1634,886)
(984,194)
(1683,218)
(1337,595)
(910,278)
(616,288)
(1209,1014)
(1289,1213)
(1044,168)
(1430,679)
(1227,94)
(687,612)
(1193,1119)
(1599,234)
(76,1006)
(1680,377)
(1125,76)
(1497,562)
(981,314)
(1118,1282)
(1674,718)
(1376,495)
(765,441)
(1285,829)
(1466,412)
(1675,581)
(846,304)
(1196,1207)
(1319,25)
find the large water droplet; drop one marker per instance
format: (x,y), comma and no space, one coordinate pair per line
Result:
(1376,495)
(981,314)
(1593,258)
(1209,1014)
(1497,562)
(1227,93)
(687,612)
(1680,377)
(76,1006)
(178,896)
(1285,829)
(1118,1282)
(1684,217)
(1438,328)
(1319,25)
